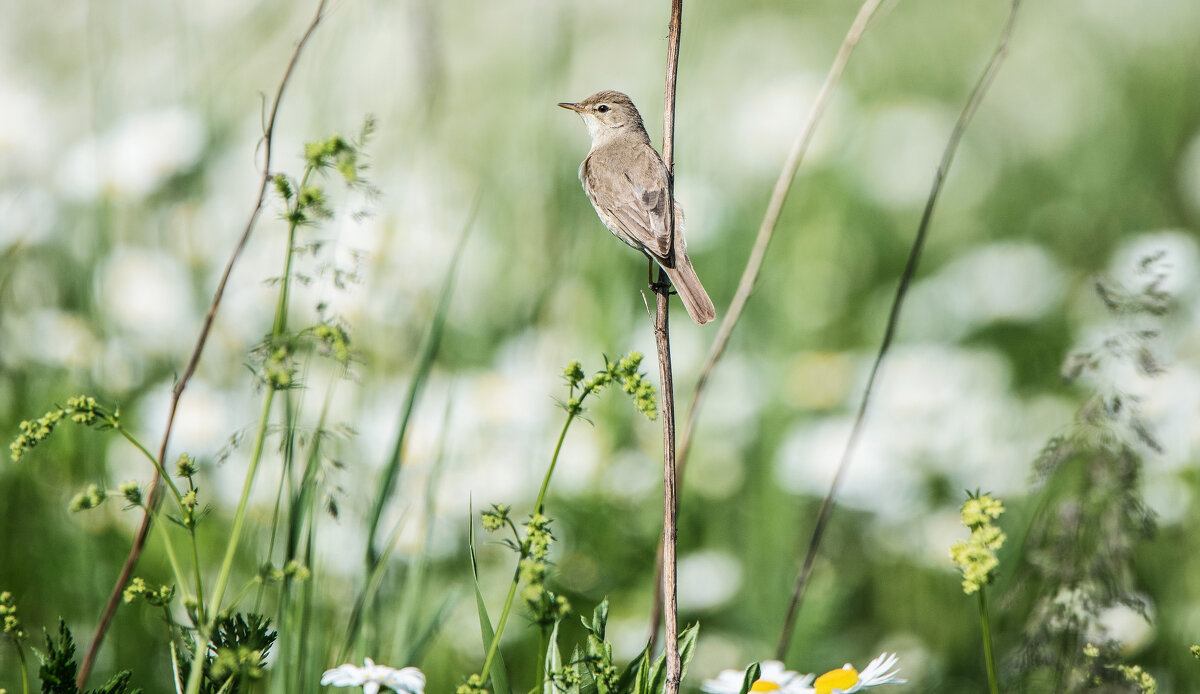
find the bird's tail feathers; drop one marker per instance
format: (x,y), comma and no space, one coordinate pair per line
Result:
(691,292)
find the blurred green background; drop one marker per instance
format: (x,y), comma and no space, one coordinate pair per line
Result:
(128,164)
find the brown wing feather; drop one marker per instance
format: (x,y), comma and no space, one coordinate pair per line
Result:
(632,203)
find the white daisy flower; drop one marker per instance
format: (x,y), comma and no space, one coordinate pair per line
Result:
(370,677)
(773,677)
(846,679)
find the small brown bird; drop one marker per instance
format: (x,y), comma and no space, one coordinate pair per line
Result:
(627,183)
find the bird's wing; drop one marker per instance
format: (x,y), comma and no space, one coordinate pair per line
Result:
(630,191)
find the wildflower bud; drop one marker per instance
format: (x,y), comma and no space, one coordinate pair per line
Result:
(296,570)
(132,492)
(495,518)
(89,498)
(573,373)
(185,466)
(282,186)
(135,589)
(8,610)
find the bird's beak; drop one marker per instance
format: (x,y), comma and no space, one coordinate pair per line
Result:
(574,107)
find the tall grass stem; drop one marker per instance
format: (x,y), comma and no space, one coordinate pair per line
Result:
(139,542)
(889,334)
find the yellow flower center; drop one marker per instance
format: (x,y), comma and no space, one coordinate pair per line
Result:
(842,678)
(764,686)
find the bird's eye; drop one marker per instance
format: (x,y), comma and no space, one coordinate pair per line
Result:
(602,108)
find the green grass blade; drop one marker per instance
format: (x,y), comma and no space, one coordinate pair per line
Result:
(370,586)
(414,582)
(553,662)
(391,471)
(499,673)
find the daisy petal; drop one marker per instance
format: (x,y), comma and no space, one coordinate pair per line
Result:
(343,676)
(880,671)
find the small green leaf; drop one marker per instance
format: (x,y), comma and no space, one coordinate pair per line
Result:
(499,672)
(553,662)
(752,674)
(627,682)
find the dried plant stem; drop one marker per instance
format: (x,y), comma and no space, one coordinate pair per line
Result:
(910,270)
(139,541)
(662,339)
(766,230)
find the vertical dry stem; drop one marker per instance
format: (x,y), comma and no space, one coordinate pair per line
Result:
(766,230)
(662,339)
(139,540)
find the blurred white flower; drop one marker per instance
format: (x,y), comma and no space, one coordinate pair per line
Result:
(898,152)
(371,676)
(998,282)
(846,679)
(136,157)
(708,579)
(773,677)
(147,292)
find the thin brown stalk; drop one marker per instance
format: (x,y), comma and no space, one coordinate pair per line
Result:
(662,339)
(766,230)
(139,541)
(910,270)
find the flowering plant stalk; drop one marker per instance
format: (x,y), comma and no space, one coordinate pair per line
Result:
(533,547)
(976,558)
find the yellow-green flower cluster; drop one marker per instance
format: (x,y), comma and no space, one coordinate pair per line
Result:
(132,492)
(1135,675)
(12,623)
(547,607)
(33,433)
(473,685)
(89,498)
(495,518)
(278,367)
(977,556)
(335,340)
(645,399)
(624,372)
(82,409)
(185,466)
(157,597)
(292,570)
(1142,681)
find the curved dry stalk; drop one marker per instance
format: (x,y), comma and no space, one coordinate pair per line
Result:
(754,265)
(910,270)
(139,541)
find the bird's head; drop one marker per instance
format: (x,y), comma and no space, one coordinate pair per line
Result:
(609,115)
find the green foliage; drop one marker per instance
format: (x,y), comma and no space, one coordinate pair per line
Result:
(235,656)
(1080,548)
(752,674)
(591,669)
(59,668)
(1043,173)
(498,672)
